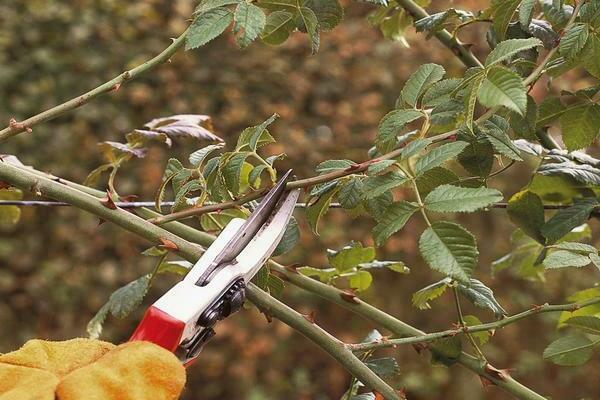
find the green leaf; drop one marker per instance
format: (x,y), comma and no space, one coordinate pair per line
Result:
(207,26)
(10,215)
(175,267)
(218,220)
(256,136)
(350,194)
(481,296)
(503,87)
(526,13)
(206,5)
(391,124)
(564,259)
(421,298)
(509,48)
(495,129)
(478,158)
(275,285)
(334,165)
(448,198)
(316,210)
(438,156)
(392,220)
(590,54)
(549,111)
(278,27)
(197,157)
(232,171)
(329,13)
(414,148)
(450,249)
(585,323)
(310,23)
(378,167)
(573,41)
(526,210)
(325,275)
(396,266)
(472,95)
(350,256)
(503,11)
(361,280)
(440,92)
(419,81)
(570,350)
(434,178)
(581,248)
(524,126)
(377,205)
(374,186)
(567,219)
(249,21)
(120,303)
(383,367)
(580,125)
(482,337)
(290,238)
(446,351)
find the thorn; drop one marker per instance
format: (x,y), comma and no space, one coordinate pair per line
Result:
(167,244)
(378,396)
(349,296)
(293,268)
(420,347)
(115,87)
(108,201)
(310,317)
(485,381)
(101,221)
(35,188)
(500,374)
(127,75)
(4,185)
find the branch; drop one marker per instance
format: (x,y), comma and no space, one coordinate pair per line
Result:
(114,84)
(491,326)
(459,49)
(327,342)
(28,180)
(120,204)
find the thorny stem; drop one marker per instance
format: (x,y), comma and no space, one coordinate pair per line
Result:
(488,327)
(114,84)
(27,180)
(327,292)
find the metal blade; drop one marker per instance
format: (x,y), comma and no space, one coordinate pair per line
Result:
(252,225)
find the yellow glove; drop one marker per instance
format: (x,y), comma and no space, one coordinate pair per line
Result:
(90,369)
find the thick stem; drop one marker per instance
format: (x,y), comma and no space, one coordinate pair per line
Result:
(330,344)
(112,85)
(28,180)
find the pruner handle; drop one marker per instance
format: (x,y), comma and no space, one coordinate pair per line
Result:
(159,328)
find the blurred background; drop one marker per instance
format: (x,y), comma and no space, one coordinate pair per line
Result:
(58,266)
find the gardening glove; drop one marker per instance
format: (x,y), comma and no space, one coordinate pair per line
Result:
(87,369)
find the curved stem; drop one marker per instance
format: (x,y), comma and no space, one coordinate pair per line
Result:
(114,84)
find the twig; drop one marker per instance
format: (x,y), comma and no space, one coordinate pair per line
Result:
(25,179)
(114,84)
(489,327)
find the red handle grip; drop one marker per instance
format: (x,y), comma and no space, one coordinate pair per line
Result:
(159,328)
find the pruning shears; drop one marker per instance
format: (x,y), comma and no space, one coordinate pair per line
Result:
(182,320)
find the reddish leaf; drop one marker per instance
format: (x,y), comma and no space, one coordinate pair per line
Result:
(4,185)
(108,201)
(349,296)
(186,125)
(167,244)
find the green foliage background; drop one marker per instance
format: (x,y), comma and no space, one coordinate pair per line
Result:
(57,266)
